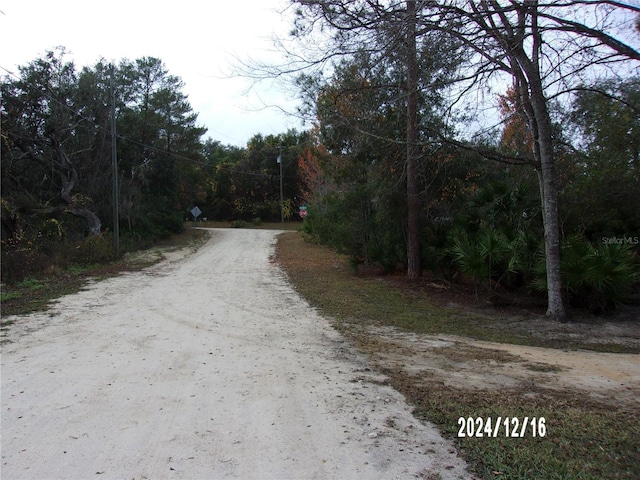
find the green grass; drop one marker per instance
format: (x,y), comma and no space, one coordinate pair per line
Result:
(6,296)
(26,286)
(584,440)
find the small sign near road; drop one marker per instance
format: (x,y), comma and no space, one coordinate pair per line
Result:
(303,211)
(195,211)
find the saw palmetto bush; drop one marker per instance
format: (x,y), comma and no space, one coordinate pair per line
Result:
(598,277)
(493,257)
(467,254)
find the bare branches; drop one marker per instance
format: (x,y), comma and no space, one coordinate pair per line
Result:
(566,39)
(581,30)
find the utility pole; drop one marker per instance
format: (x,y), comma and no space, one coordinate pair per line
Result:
(114,165)
(281,196)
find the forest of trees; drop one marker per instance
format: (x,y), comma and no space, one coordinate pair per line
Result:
(57,175)
(543,197)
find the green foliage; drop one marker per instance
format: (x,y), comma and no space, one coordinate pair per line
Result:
(499,245)
(28,260)
(160,223)
(5,297)
(238,224)
(354,223)
(356,178)
(30,284)
(244,183)
(478,218)
(601,195)
(29,252)
(607,114)
(468,254)
(504,201)
(490,255)
(328,223)
(55,162)
(496,233)
(597,277)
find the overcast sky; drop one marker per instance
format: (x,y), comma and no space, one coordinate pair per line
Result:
(198,40)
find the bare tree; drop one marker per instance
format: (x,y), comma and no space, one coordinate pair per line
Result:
(548,48)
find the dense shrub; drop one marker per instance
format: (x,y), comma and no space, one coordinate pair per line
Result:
(20,263)
(598,277)
(490,255)
(32,260)
(96,249)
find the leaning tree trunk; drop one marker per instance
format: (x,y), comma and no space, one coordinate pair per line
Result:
(413,204)
(69,179)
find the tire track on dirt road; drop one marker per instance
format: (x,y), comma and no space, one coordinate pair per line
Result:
(205,366)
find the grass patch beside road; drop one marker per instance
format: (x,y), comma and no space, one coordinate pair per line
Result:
(35,294)
(326,280)
(585,438)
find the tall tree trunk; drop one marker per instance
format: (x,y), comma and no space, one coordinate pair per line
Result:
(526,71)
(534,102)
(551,217)
(413,204)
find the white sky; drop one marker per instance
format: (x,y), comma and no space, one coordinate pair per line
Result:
(198,41)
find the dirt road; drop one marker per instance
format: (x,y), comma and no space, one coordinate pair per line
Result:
(205,366)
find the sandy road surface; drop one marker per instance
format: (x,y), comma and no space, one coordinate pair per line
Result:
(204,366)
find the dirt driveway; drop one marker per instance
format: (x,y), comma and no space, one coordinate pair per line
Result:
(205,366)
(474,365)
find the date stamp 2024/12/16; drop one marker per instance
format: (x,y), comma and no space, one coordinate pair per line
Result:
(511,427)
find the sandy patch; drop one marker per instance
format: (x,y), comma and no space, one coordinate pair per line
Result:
(472,364)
